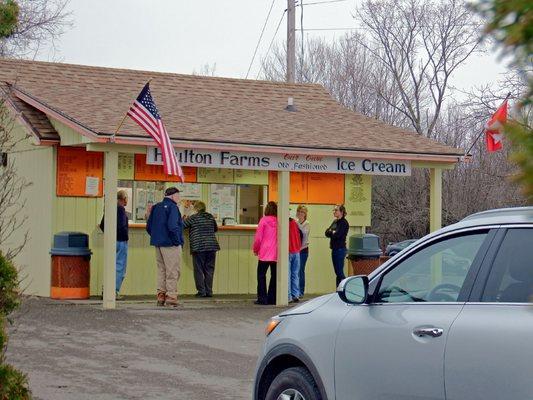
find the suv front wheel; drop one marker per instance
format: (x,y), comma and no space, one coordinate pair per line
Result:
(293,384)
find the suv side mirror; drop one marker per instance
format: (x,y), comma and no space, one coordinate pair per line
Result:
(354,290)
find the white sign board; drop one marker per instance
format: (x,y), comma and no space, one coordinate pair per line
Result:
(283,162)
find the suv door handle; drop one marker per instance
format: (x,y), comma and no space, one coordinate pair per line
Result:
(433,332)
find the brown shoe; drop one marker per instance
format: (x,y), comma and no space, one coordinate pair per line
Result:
(171,301)
(161,299)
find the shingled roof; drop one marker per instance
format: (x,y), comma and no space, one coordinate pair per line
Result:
(199,109)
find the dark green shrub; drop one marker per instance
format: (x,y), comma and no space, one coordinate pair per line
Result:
(9,299)
(13,384)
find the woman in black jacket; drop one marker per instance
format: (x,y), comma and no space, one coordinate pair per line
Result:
(337,233)
(204,246)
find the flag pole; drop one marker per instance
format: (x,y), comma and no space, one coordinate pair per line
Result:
(124,119)
(483,130)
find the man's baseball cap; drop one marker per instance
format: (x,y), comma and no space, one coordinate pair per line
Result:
(171,190)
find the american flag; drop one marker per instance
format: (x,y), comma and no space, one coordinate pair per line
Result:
(144,112)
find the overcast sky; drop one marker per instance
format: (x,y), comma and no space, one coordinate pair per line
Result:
(183,35)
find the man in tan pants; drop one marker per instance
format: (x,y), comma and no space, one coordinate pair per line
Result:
(165,228)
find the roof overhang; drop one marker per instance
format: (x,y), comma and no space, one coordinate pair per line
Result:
(98,137)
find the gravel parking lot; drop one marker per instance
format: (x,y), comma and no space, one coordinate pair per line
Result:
(202,350)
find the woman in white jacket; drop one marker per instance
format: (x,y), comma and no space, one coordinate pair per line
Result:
(303,224)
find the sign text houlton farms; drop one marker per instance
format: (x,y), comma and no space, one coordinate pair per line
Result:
(283,162)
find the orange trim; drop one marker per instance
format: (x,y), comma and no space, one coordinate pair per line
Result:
(69,293)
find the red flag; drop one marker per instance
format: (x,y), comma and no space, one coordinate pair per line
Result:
(494,128)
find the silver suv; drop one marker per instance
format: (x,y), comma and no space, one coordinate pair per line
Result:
(449,317)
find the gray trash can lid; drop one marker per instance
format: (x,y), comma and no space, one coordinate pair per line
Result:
(71,244)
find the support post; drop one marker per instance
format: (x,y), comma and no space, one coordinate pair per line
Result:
(110,233)
(435,199)
(282,275)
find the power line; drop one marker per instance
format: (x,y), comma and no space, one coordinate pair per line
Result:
(260,37)
(332,29)
(322,2)
(271,42)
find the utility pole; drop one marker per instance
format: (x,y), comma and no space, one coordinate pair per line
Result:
(291,41)
(282,267)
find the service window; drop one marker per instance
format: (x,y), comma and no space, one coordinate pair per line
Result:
(433,274)
(145,195)
(511,276)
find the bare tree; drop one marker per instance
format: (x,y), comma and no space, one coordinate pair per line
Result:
(206,70)
(12,187)
(398,72)
(39,22)
(421,44)
(347,70)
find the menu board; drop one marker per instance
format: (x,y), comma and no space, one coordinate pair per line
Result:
(126,167)
(156,173)
(298,187)
(250,177)
(358,199)
(189,191)
(223,203)
(298,182)
(79,172)
(325,188)
(310,188)
(218,175)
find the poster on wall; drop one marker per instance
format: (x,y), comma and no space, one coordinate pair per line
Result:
(91,186)
(223,203)
(79,172)
(146,195)
(190,191)
(358,199)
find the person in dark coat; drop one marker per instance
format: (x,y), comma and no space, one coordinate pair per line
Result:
(122,239)
(337,233)
(204,246)
(165,228)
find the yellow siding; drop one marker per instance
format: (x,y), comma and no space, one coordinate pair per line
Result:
(35,164)
(80,214)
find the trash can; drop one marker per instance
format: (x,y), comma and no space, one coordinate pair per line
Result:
(364,253)
(71,262)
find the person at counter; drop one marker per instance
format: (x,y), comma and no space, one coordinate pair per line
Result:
(265,247)
(122,240)
(204,246)
(303,224)
(165,228)
(337,233)
(295,243)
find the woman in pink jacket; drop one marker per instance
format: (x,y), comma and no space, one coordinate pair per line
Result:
(266,249)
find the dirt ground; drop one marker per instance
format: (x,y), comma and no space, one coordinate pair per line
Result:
(202,350)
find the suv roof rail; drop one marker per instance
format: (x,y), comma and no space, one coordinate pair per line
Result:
(499,212)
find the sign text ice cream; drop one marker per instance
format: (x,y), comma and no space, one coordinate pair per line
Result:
(283,162)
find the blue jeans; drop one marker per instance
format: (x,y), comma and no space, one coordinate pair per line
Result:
(294,275)
(122,260)
(303,260)
(338,256)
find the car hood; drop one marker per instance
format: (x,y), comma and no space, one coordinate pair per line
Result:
(309,306)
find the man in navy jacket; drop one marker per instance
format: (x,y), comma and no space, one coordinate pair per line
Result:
(165,228)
